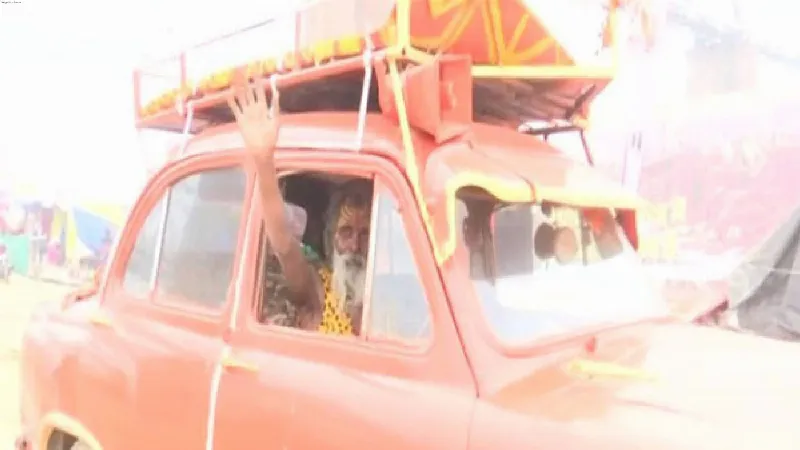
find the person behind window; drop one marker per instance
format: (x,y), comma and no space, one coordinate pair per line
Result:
(327,295)
(37,240)
(278,308)
(346,243)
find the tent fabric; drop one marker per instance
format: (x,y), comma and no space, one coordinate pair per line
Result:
(92,229)
(83,230)
(764,291)
(18,248)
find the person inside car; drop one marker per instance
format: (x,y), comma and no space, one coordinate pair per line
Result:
(309,293)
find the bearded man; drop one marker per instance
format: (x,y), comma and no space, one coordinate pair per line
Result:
(302,290)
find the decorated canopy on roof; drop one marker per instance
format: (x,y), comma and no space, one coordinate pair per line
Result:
(555,43)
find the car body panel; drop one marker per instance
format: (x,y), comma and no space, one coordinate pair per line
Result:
(228,383)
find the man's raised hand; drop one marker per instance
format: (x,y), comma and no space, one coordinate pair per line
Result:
(258,121)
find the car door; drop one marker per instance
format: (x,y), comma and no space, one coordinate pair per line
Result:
(252,411)
(168,300)
(404,383)
(106,365)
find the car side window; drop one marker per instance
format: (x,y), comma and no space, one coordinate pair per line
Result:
(203,221)
(399,308)
(142,262)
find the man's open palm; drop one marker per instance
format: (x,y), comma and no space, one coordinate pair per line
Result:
(258,121)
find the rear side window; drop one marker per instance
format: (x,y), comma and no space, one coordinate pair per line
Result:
(186,249)
(142,262)
(201,234)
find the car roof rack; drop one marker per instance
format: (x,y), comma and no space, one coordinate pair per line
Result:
(526,63)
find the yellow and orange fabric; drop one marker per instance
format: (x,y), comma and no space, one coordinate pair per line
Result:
(491,32)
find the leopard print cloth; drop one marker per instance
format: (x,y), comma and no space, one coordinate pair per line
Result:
(279,309)
(334,319)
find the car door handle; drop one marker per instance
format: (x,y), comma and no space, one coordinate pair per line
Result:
(230,362)
(101,320)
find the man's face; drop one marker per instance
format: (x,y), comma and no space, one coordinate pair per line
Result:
(350,246)
(351,234)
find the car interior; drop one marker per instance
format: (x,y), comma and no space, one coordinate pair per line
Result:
(311,194)
(395,277)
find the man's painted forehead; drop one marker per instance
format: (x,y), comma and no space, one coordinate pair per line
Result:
(351,206)
(354,208)
(353,196)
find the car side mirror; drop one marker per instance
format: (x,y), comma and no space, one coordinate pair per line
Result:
(560,243)
(84,292)
(544,241)
(565,245)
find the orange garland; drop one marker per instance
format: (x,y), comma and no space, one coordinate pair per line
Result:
(457,14)
(219,81)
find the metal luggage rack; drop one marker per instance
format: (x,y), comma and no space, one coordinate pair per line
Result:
(323,67)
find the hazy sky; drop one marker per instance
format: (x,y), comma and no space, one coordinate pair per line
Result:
(65,97)
(66,92)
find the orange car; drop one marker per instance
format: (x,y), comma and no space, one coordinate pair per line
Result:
(504,303)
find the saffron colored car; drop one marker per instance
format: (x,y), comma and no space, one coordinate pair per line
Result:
(505,305)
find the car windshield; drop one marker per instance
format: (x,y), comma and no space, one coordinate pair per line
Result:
(546,269)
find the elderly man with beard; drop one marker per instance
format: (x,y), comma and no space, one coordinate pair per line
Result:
(302,291)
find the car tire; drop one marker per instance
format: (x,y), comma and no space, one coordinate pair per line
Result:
(78,445)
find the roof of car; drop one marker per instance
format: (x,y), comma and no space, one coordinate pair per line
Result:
(500,152)
(321,130)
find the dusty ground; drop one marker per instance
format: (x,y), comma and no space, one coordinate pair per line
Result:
(17,300)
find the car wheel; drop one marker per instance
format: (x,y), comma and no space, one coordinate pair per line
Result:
(78,445)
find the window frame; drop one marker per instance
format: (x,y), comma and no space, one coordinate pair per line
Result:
(380,187)
(158,188)
(141,223)
(357,165)
(173,301)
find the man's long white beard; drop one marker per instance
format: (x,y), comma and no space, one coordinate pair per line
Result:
(348,279)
